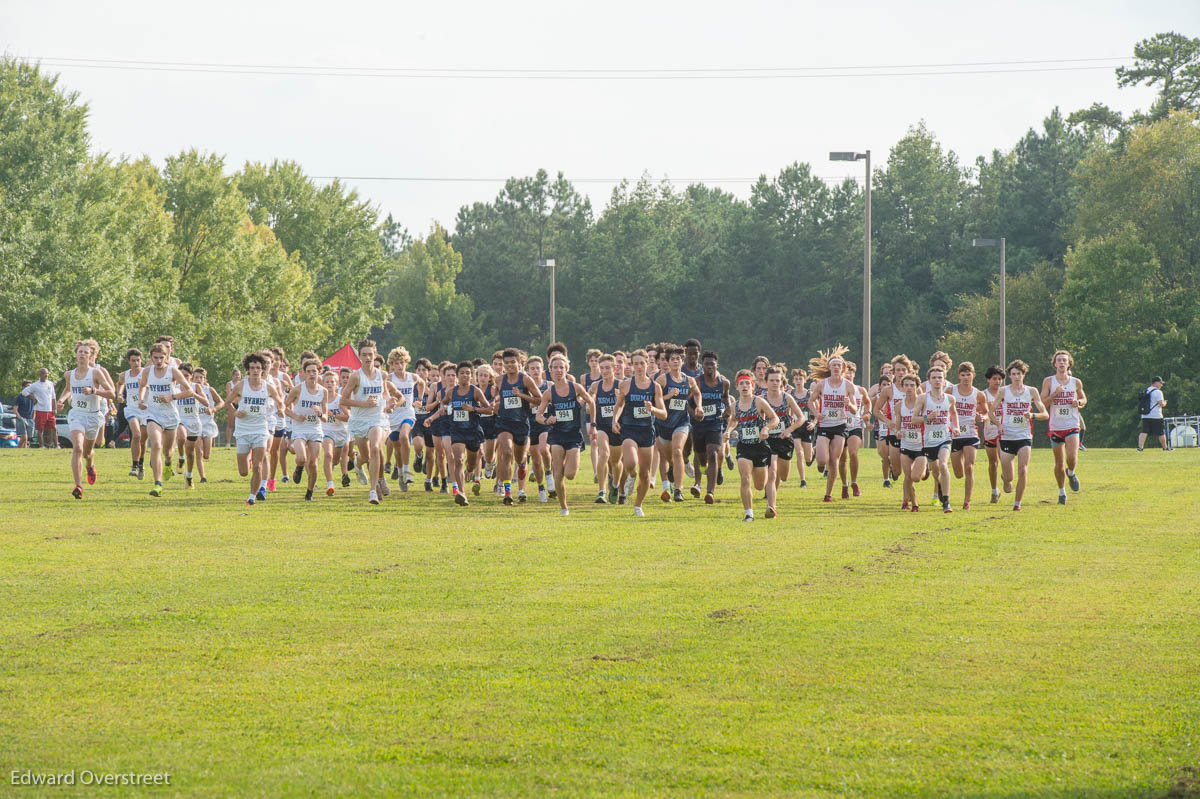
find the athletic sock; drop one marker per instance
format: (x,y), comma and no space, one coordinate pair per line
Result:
(1062,492)
(508,486)
(188,475)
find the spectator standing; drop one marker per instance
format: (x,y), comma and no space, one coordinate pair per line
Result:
(24,413)
(43,394)
(1152,403)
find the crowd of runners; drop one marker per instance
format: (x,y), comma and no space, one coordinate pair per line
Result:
(650,420)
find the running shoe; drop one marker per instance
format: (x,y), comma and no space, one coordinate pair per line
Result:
(1062,499)
(621,499)
(437,482)
(296,474)
(749,517)
(141,475)
(600,500)
(995,497)
(77,492)
(564,512)
(403,486)
(428,486)
(489,471)
(460,499)
(820,468)
(475,488)
(671,473)
(168,472)
(360,474)
(854,490)
(345,481)
(91,476)
(419,463)
(804,484)
(678,496)
(637,511)
(444,489)
(373,499)
(521,497)
(665,496)
(696,491)
(845,492)
(308,495)
(187,483)
(966,506)
(156,490)
(395,472)
(946,507)
(250,501)
(914,508)
(508,498)
(541,493)
(905,505)
(887,483)
(271,486)
(1017,506)
(709,499)
(720,477)
(133,470)
(285,477)
(1073,480)
(771,514)
(203,479)
(629,483)
(329,492)
(384,489)
(828,498)
(180,463)
(728,462)
(689,470)
(262,493)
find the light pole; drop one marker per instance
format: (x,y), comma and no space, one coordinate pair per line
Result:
(1003,304)
(853,156)
(549,263)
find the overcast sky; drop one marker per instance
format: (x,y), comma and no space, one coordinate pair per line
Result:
(589,129)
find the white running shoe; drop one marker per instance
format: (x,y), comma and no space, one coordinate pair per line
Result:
(382,487)
(360,474)
(373,499)
(564,512)
(541,493)
(549,482)
(630,482)
(689,470)
(637,511)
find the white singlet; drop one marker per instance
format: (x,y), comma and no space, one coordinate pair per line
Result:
(1064,416)
(405,412)
(990,431)
(967,406)
(308,404)
(833,403)
(1013,407)
(362,419)
(937,432)
(255,404)
(911,428)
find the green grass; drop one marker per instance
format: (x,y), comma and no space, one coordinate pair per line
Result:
(335,649)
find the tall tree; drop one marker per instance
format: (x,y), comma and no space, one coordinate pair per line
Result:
(1170,61)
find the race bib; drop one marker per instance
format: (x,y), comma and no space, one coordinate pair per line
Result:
(1065,411)
(81,404)
(641,412)
(511,403)
(462,415)
(162,400)
(912,435)
(833,414)
(564,415)
(749,433)
(310,419)
(962,428)
(606,411)
(255,410)
(776,430)
(677,403)
(937,434)
(710,410)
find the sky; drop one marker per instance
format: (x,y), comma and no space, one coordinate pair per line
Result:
(489,128)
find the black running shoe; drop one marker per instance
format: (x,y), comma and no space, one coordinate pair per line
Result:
(720,477)
(1074,481)
(395,472)
(419,464)
(1062,499)
(308,495)
(728,462)
(435,482)
(444,490)
(671,473)
(678,497)
(345,481)
(428,486)
(297,474)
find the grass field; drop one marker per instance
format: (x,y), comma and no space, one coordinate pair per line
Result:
(337,649)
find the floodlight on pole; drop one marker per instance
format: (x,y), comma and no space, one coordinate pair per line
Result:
(1003,301)
(866,345)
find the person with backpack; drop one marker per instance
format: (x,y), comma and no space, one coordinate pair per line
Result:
(1150,405)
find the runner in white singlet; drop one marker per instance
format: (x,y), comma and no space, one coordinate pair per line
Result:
(1063,396)
(1015,411)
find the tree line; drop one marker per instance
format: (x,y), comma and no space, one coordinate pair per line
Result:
(1099,213)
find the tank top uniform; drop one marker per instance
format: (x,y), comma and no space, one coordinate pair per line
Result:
(678,407)
(1064,416)
(779,444)
(967,432)
(132,384)
(440,426)
(513,417)
(803,432)
(912,438)
(606,404)
(991,433)
(536,428)
(208,421)
(462,423)
(310,428)
(487,419)
(636,419)
(403,413)
(160,403)
(335,429)
(710,428)
(420,415)
(567,412)
(189,414)
(587,386)
(363,419)
(251,430)
(854,421)
(1015,432)
(748,425)
(937,432)
(85,413)
(832,419)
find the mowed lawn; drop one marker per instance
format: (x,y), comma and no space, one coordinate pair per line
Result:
(338,649)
